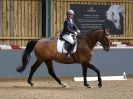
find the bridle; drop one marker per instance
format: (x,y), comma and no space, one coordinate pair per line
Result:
(101,43)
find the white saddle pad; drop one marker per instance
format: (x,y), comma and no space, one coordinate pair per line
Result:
(60,47)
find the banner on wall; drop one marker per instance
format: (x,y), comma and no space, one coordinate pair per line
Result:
(91,17)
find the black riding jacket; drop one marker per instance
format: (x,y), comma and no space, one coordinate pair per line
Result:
(69,27)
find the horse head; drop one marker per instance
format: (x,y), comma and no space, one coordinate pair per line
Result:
(104,39)
(100,35)
(116,19)
(113,14)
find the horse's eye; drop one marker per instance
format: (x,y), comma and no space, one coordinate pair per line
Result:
(113,13)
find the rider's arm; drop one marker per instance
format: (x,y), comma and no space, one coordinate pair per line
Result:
(76,28)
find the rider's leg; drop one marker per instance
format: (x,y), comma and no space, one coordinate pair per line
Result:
(68,38)
(71,41)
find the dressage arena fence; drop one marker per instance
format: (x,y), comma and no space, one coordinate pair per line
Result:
(61,6)
(21,20)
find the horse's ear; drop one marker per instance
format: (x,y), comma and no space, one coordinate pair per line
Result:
(104,29)
(107,32)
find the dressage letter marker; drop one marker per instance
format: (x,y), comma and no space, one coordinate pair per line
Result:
(123,77)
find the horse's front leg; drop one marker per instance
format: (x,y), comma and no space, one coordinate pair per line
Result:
(52,73)
(84,68)
(91,66)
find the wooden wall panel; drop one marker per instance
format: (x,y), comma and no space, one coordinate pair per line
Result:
(40,19)
(0,18)
(4,18)
(20,21)
(33,18)
(30,18)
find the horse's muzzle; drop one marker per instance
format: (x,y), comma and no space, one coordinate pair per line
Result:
(106,48)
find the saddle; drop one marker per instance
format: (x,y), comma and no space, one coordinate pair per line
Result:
(63,45)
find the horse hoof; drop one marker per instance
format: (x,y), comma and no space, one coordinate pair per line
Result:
(89,86)
(100,85)
(31,84)
(64,85)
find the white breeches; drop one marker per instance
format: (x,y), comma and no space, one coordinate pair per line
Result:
(68,38)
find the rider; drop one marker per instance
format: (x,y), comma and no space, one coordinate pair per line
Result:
(69,29)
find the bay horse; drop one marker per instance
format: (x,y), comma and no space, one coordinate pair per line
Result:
(46,51)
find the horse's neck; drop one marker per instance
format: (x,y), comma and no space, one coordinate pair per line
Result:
(91,39)
(91,42)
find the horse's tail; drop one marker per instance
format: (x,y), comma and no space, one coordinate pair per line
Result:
(26,55)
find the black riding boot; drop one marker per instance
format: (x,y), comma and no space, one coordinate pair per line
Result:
(68,55)
(70,49)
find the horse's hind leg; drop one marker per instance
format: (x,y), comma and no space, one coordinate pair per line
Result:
(33,69)
(52,73)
